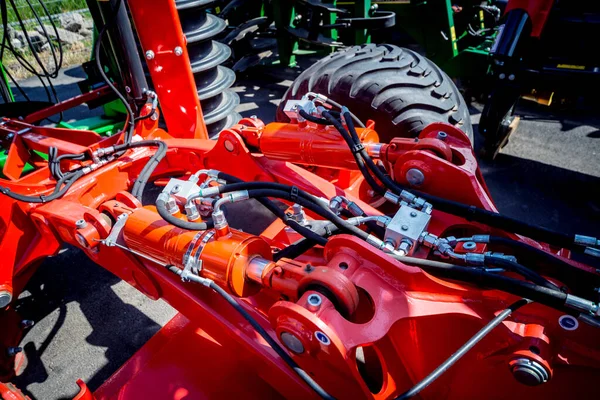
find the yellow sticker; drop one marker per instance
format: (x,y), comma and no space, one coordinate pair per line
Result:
(569,66)
(452,33)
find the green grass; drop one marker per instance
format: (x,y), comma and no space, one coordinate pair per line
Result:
(53,6)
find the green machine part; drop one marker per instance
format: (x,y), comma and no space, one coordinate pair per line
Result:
(438,27)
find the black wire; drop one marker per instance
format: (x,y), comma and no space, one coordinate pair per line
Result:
(436,373)
(129,132)
(274,345)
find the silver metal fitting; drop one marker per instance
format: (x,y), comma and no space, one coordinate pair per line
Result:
(442,135)
(182,190)
(292,108)
(591,251)
(587,241)
(335,204)
(474,258)
(178,51)
(314,302)
(581,304)
(149,55)
(191,212)
(219,219)
(172,206)
(404,247)
(80,224)
(480,238)
(391,197)
(354,209)
(298,214)
(501,255)
(408,225)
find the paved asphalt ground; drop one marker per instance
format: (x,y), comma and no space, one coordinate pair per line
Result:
(88,322)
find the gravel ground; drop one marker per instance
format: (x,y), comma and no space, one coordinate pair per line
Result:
(89,322)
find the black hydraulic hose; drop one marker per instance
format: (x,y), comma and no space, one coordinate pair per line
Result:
(436,373)
(519,269)
(313,119)
(351,142)
(470,213)
(571,276)
(274,345)
(302,230)
(67,180)
(303,245)
(314,207)
(153,161)
(161,207)
(550,297)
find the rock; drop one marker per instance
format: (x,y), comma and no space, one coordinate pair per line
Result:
(88,24)
(85,32)
(72,21)
(16,43)
(37,40)
(64,35)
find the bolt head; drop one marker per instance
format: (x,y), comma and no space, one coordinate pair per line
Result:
(149,55)
(502,76)
(5,298)
(229,146)
(511,77)
(314,300)
(178,51)
(321,337)
(80,224)
(442,135)
(292,342)
(415,177)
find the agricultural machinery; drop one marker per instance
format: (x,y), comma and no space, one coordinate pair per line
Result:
(387,272)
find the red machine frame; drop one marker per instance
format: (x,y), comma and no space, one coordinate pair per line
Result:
(398,320)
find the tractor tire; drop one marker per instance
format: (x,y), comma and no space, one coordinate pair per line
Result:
(400,90)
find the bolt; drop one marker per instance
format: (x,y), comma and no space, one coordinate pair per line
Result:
(529,372)
(413,214)
(81,240)
(415,177)
(314,301)
(178,51)
(568,323)
(229,146)
(5,298)
(321,337)
(13,351)
(442,135)
(149,55)
(175,189)
(292,342)
(308,268)
(511,77)
(469,246)
(10,136)
(27,323)
(502,76)
(253,117)
(404,227)
(80,224)
(127,89)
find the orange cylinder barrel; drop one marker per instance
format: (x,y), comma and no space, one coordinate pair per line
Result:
(310,145)
(224,259)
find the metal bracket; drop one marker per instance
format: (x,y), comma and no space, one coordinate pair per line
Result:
(192,265)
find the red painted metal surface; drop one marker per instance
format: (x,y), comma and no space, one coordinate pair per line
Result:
(538,11)
(402,321)
(159,31)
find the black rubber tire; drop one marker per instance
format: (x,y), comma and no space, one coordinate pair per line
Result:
(400,90)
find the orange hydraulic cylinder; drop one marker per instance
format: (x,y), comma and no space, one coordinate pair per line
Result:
(310,144)
(224,259)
